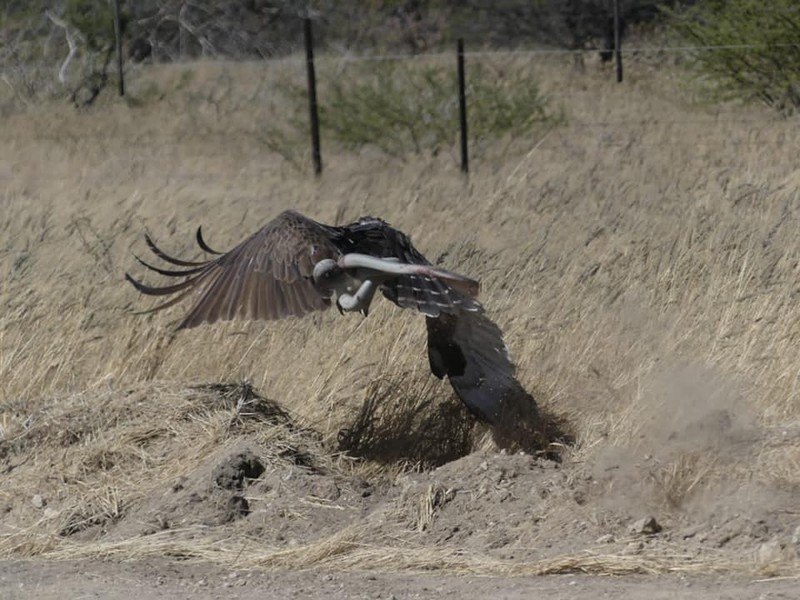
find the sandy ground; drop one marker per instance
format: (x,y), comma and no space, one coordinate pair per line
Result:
(154,579)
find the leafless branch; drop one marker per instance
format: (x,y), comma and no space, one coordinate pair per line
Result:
(72,41)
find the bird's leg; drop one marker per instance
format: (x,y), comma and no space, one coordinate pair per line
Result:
(360,300)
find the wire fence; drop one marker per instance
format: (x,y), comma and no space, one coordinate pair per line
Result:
(338,55)
(449,58)
(463,55)
(551,52)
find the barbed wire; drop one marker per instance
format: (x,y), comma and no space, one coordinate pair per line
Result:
(712,122)
(332,55)
(447,55)
(551,51)
(654,122)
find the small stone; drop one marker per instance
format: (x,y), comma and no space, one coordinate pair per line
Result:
(633,548)
(690,532)
(796,537)
(606,539)
(770,552)
(647,526)
(38,501)
(50,513)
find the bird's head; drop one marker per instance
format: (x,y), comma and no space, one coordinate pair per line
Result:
(329,277)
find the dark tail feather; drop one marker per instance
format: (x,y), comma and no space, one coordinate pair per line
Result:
(168,272)
(160,291)
(202,243)
(166,257)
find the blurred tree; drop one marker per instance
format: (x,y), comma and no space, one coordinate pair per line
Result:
(94,19)
(756,55)
(569,24)
(174,29)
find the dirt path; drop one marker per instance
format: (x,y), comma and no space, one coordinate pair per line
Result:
(155,579)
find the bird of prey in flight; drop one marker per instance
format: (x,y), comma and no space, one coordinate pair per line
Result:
(294,265)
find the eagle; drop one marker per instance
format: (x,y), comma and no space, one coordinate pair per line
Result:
(294,265)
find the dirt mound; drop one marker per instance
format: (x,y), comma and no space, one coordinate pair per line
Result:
(493,503)
(212,494)
(223,468)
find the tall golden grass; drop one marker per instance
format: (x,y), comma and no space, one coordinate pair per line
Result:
(642,261)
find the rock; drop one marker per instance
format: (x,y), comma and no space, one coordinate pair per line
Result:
(770,552)
(50,513)
(690,532)
(326,489)
(647,526)
(796,537)
(38,501)
(633,548)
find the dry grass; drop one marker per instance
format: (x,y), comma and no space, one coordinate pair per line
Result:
(343,551)
(642,261)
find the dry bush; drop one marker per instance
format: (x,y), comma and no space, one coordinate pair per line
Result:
(643,236)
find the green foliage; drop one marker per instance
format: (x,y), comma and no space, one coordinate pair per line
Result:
(94,19)
(768,72)
(391,107)
(401,107)
(506,102)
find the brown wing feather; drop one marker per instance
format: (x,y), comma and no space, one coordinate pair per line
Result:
(267,276)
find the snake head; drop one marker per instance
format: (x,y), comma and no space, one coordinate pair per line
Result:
(328,276)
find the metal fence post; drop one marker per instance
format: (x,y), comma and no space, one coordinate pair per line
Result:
(118,41)
(617,41)
(462,106)
(312,99)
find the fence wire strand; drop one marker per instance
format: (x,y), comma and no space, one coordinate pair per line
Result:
(558,51)
(345,56)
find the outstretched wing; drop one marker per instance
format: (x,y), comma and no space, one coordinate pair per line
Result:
(429,295)
(469,349)
(267,276)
